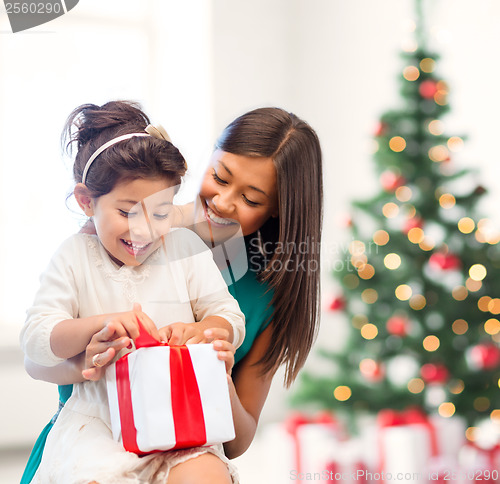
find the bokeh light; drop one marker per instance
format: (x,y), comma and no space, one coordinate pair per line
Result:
(431,343)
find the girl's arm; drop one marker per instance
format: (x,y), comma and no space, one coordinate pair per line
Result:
(70,337)
(248,395)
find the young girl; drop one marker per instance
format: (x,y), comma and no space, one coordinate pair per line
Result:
(266,176)
(127,174)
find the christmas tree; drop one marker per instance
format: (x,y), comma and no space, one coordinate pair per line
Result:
(420,280)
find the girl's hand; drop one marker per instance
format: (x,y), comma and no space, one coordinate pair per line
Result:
(182,333)
(101,350)
(225,349)
(127,323)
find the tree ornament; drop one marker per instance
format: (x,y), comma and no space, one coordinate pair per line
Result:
(372,371)
(381,129)
(414,222)
(434,373)
(428,89)
(337,304)
(398,325)
(444,262)
(390,181)
(484,356)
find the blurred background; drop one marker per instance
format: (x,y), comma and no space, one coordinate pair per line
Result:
(194,66)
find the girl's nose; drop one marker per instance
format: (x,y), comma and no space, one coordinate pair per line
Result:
(141,229)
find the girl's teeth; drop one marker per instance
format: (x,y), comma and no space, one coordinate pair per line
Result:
(216,219)
(135,246)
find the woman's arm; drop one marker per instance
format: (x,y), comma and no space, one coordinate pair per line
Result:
(248,395)
(65,373)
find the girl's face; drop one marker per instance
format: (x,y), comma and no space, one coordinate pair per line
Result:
(237,192)
(131,218)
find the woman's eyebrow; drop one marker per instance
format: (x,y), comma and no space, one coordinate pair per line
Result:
(249,186)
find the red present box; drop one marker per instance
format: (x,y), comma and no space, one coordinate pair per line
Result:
(169,397)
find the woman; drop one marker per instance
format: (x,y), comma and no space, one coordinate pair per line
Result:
(265,182)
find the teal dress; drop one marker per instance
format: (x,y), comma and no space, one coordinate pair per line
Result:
(255,303)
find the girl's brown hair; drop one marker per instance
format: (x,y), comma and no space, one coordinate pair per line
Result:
(293,270)
(90,126)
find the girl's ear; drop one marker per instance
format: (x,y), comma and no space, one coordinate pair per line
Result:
(82,195)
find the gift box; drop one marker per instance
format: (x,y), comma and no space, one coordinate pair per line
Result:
(407,442)
(169,397)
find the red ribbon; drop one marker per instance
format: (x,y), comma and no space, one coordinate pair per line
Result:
(296,420)
(187,409)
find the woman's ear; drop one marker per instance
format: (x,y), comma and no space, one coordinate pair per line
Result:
(82,195)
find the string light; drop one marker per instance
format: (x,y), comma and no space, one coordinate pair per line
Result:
(342,393)
(417,302)
(455,143)
(446,409)
(403,292)
(431,343)
(438,153)
(403,193)
(416,235)
(390,210)
(460,326)
(492,326)
(392,261)
(466,225)
(494,306)
(473,286)
(447,200)
(427,244)
(456,386)
(470,434)
(366,272)
(397,144)
(369,331)
(369,296)
(459,293)
(427,65)
(381,237)
(416,385)
(477,272)
(483,302)
(436,127)
(411,73)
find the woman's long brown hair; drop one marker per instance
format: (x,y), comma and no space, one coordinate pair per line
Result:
(293,268)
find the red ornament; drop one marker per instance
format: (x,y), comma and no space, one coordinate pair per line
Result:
(397,326)
(337,304)
(427,89)
(434,373)
(412,223)
(380,129)
(444,262)
(484,356)
(372,370)
(390,181)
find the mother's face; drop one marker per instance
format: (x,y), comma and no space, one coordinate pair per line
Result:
(236,192)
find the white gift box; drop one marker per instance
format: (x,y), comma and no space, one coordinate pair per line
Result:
(164,398)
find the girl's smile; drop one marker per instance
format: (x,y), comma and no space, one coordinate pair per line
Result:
(131,219)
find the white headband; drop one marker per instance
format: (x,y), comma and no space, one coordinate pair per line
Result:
(155,131)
